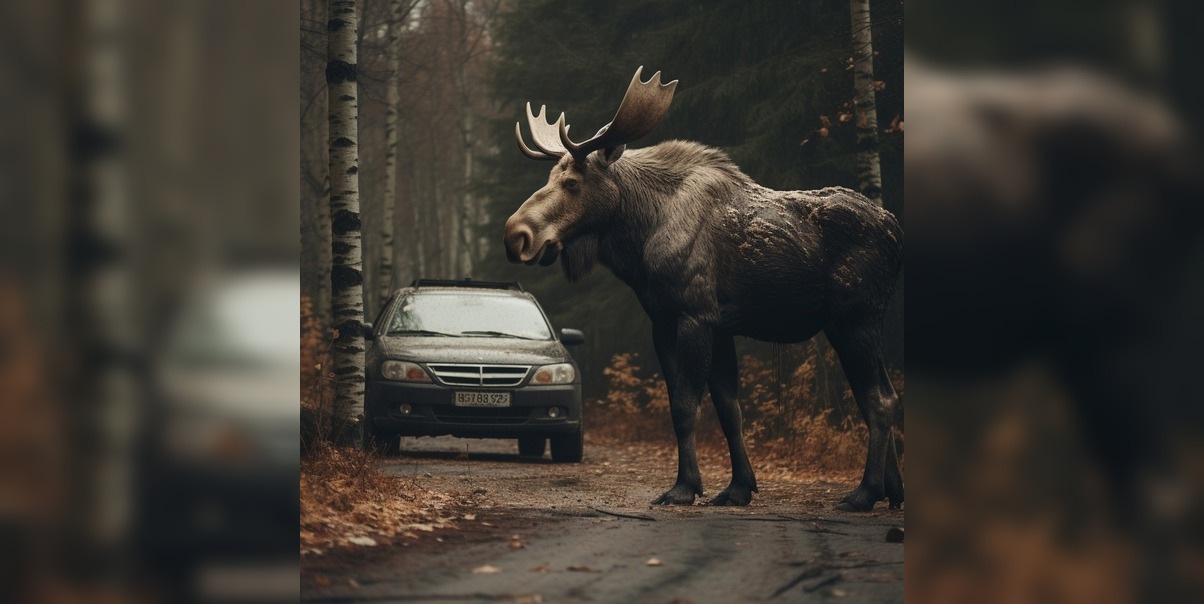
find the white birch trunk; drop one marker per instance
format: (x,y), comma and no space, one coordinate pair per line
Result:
(346,271)
(109,289)
(393,98)
(869,171)
(323,308)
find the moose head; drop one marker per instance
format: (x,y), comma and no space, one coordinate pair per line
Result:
(582,190)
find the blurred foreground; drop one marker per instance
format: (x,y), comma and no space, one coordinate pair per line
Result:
(148,296)
(1056,280)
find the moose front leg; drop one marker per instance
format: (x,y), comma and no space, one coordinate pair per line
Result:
(725,379)
(684,350)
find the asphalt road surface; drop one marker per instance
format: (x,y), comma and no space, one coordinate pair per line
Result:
(546,532)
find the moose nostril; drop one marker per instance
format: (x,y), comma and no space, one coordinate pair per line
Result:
(518,239)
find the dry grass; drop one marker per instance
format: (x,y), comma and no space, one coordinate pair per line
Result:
(347,501)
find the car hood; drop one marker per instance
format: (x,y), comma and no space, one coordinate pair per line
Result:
(499,351)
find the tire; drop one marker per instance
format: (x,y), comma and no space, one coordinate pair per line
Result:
(568,448)
(532,446)
(381,442)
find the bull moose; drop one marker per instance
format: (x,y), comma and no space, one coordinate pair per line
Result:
(712,255)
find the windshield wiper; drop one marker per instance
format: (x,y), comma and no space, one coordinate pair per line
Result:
(421,332)
(497,334)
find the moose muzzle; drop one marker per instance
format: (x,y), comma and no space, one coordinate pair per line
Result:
(523,245)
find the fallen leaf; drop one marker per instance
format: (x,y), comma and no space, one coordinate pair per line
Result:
(516,544)
(581,568)
(359,540)
(488,569)
(353,583)
(470,516)
(654,562)
(839,593)
(542,568)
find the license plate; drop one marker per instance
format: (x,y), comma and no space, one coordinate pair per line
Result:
(482,399)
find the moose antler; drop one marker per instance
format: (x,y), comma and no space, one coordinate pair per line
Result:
(543,134)
(643,107)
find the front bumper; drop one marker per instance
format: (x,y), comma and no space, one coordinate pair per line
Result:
(194,510)
(433,414)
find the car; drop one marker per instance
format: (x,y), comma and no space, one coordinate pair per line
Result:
(472,359)
(215,488)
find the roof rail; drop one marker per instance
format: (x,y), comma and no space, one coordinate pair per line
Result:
(466,283)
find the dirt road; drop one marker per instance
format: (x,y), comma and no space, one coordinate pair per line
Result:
(544,532)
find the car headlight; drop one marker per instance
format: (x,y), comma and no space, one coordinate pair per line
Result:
(560,373)
(403,371)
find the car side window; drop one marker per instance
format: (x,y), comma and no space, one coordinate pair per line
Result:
(380,315)
(403,319)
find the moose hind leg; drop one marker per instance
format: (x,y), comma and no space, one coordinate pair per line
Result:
(859,348)
(724,381)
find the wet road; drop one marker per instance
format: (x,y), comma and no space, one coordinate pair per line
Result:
(547,532)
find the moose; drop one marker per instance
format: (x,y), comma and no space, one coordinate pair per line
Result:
(711,255)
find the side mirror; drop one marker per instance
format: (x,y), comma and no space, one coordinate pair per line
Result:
(571,337)
(369,334)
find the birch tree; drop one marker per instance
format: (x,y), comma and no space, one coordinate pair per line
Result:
(346,274)
(393,99)
(869,171)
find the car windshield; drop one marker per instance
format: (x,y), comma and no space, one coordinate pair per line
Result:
(469,314)
(238,324)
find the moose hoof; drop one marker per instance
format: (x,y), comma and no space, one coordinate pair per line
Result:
(894,494)
(896,500)
(733,495)
(860,500)
(678,495)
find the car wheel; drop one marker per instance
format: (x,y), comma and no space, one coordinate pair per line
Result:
(568,448)
(532,446)
(380,441)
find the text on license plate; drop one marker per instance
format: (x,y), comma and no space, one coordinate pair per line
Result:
(482,399)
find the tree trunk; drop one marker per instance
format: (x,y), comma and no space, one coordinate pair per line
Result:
(869,171)
(393,98)
(346,271)
(323,308)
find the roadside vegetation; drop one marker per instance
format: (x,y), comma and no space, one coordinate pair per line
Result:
(345,500)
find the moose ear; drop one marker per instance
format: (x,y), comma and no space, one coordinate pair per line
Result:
(610,155)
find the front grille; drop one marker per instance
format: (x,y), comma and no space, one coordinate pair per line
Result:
(480,375)
(482,415)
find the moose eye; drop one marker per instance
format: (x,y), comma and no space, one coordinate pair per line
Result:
(570,184)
